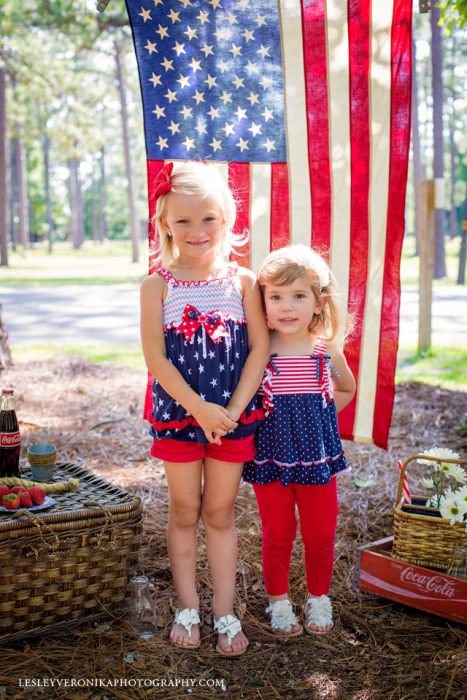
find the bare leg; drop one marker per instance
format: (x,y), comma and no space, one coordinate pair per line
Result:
(184,483)
(221,482)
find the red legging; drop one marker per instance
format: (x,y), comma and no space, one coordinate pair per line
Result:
(318,509)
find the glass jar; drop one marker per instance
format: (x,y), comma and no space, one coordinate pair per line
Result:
(458,565)
(141,608)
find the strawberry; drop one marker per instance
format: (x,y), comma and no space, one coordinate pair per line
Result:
(37,494)
(17,489)
(25,499)
(10,501)
(3,490)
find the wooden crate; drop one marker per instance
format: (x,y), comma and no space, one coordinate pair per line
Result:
(425,589)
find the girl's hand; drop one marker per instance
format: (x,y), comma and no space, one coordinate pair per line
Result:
(214,420)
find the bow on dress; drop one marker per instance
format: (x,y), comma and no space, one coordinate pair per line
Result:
(211,322)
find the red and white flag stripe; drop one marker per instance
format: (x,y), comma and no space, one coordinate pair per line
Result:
(346,68)
(406,497)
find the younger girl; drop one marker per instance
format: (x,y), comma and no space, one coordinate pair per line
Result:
(299,451)
(207,369)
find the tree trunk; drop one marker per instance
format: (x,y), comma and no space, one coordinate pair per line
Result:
(438,166)
(3,171)
(76,203)
(126,148)
(5,354)
(95,194)
(48,198)
(418,167)
(453,154)
(12,199)
(103,231)
(463,251)
(21,184)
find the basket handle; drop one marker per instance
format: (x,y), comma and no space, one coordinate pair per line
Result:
(413,458)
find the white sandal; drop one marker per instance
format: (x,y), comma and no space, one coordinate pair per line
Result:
(229,625)
(318,612)
(187,618)
(283,618)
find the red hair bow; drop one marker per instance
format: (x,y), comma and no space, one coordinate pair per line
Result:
(162,183)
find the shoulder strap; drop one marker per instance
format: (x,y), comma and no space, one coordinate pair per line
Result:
(320,348)
(165,274)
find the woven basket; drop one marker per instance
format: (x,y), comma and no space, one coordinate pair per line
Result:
(424,538)
(69,564)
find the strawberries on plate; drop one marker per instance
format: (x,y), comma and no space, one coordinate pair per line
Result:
(37,494)
(25,499)
(10,501)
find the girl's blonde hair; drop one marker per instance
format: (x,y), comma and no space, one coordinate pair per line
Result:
(285,265)
(199,180)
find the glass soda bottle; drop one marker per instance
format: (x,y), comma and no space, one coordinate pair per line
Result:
(10,441)
(141,609)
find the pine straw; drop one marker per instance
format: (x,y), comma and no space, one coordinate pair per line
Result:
(379,649)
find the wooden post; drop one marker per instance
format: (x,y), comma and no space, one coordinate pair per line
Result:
(427,262)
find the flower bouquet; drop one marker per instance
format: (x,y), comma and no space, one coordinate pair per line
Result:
(428,527)
(451,503)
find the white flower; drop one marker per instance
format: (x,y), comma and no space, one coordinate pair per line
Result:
(461,494)
(457,473)
(452,510)
(439,453)
(428,483)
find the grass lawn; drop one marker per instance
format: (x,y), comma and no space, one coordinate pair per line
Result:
(106,263)
(444,366)
(130,355)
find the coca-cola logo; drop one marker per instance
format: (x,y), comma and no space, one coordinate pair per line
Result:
(9,439)
(429,584)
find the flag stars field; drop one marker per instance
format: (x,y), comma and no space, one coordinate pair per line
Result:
(151,47)
(162,31)
(155,79)
(145,14)
(204,54)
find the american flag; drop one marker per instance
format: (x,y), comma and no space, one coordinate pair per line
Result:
(305,107)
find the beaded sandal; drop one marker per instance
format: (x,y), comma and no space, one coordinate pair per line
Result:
(318,612)
(229,625)
(187,618)
(283,619)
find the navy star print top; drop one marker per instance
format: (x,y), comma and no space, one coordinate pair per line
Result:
(299,442)
(206,340)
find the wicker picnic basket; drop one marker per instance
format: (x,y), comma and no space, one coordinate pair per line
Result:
(423,537)
(69,564)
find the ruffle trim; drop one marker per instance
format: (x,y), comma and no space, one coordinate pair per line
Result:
(256,415)
(269,473)
(165,274)
(260,463)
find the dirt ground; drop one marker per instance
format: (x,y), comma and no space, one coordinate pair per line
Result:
(378,649)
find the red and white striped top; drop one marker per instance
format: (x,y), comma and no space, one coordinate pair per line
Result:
(300,374)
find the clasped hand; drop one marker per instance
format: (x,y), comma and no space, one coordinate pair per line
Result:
(214,420)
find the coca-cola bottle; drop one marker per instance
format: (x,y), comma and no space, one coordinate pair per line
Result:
(10,442)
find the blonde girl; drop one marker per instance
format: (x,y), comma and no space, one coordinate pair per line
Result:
(205,343)
(299,451)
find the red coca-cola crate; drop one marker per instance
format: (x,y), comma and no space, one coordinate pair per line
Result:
(377,572)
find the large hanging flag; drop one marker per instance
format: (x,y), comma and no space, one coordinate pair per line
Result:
(305,105)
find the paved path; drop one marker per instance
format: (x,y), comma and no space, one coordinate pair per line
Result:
(99,313)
